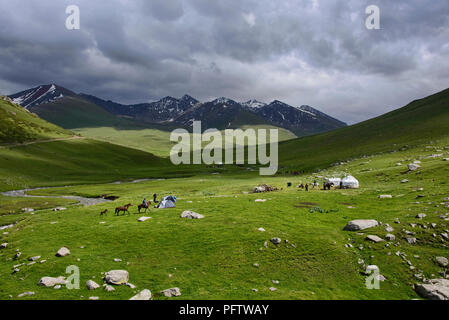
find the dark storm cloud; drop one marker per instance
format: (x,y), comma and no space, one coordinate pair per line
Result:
(303,52)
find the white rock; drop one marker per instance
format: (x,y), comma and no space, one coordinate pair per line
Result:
(117,277)
(385,196)
(276,240)
(94,298)
(442,261)
(421,216)
(260,200)
(59,209)
(130,285)
(261,229)
(191,215)
(390,237)
(356,225)
(51,282)
(34,258)
(143,219)
(273,289)
(109,288)
(25,294)
(28,210)
(142,295)
(172,292)
(92,285)
(117,260)
(3,245)
(374,238)
(435,289)
(413,166)
(63,252)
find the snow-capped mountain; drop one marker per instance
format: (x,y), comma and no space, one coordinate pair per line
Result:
(302,120)
(40,95)
(220,113)
(253,105)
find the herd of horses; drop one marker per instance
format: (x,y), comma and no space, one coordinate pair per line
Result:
(125,209)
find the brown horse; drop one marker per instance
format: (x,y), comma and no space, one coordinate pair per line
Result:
(141,206)
(124,209)
(104,212)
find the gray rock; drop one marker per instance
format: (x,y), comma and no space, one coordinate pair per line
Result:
(59,209)
(117,277)
(25,294)
(442,261)
(172,292)
(276,241)
(94,298)
(421,216)
(413,166)
(356,225)
(404,181)
(3,245)
(34,258)
(51,282)
(390,237)
(109,288)
(130,285)
(411,240)
(92,285)
(385,196)
(191,215)
(143,219)
(435,289)
(143,295)
(261,229)
(374,238)
(273,289)
(63,252)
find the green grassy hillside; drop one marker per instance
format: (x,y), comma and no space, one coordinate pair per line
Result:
(17,125)
(74,112)
(418,122)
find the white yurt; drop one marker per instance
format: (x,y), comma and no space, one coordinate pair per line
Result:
(349,182)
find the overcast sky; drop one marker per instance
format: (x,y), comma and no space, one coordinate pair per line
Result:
(315,52)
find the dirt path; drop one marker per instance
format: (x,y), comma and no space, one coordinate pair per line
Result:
(14,145)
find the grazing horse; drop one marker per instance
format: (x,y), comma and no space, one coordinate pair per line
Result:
(124,209)
(141,206)
(104,212)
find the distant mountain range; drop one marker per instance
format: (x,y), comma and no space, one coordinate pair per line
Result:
(53,102)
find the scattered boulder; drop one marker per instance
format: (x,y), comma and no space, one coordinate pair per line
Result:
(276,241)
(261,229)
(34,258)
(442,261)
(143,219)
(273,289)
(63,252)
(3,245)
(260,200)
(373,238)
(404,181)
(390,237)
(130,285)
(59,209)
(172,292)
(25,294)
(92,285)
(411,240)
(356,225)
(191,215)
(421,216)
(143,295)
(27,210)
(117,277)
(94,298)
(413,166)
(109,288)
(389,228)
(385,196)
(435,289)
(51,282)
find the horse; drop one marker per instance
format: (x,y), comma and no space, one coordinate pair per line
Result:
(104,212)
(124,209)
(141,206)
(328,185)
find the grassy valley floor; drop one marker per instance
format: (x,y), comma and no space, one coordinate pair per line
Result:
(213,258)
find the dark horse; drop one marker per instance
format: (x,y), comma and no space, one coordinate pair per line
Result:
(141,206)
(124,209)
(327,185)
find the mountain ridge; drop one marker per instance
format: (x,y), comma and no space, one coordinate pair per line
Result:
(302,121)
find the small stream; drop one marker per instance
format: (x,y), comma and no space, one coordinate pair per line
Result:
(81,200)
